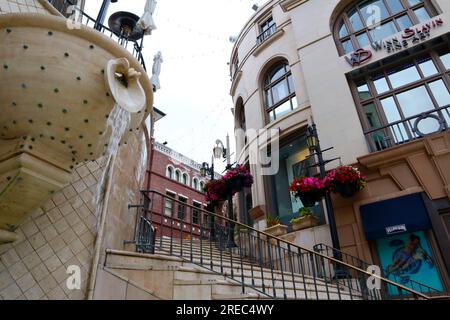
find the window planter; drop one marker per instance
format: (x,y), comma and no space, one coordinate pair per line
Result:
(277,230)
(305,223)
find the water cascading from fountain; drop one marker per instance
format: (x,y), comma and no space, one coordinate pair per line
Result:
(118,121)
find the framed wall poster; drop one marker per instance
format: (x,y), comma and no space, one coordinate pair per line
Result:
(406,257)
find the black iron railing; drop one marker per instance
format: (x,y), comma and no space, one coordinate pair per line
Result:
(408,129)
(266,34)
(417,286)
(260,263)
(80,17)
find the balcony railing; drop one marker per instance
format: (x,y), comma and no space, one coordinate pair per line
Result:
(417,286)
(266,34)
(69,9)
(409,129)
(258,261)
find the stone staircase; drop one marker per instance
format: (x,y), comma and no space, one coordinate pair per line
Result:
(212,274)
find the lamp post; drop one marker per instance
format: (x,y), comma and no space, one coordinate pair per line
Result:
(204,171)
(219,152)
(313,142)
(102,13)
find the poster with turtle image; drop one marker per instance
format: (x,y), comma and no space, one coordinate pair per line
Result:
(407,258)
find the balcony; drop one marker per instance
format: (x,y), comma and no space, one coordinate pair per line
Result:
(266,34)
(133,46)
(408,129)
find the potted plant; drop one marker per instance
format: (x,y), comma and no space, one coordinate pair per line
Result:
(345,180)
(238,178)
(310,190)
(274,227)
(305,220)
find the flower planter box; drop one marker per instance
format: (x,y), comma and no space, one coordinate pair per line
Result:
(257,212)
(305,223)
(277,230)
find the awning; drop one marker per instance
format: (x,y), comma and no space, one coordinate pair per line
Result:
(400,215)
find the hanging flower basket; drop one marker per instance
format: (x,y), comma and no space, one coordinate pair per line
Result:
(345,180)
(215,192)
(237,179)
(310,199)
(310,190)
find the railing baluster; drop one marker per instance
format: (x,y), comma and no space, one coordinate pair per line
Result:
(281,268)
(163,214)
(191,230)
(302,272)
(271,268)
(261,261)
(292,270)
(241,258)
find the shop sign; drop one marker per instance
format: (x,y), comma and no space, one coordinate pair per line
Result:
(408,37)
(396,229)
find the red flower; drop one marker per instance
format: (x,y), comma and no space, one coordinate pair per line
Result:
(344,175)
(307,185)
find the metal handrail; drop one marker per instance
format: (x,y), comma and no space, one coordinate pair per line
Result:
(321,247)
(122,40)
(397,129)
(263,36)
(273,255)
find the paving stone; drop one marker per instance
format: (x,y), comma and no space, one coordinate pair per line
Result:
(32,260)
(26,282)
(11,292)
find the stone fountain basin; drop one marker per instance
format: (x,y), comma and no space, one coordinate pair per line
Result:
(54,107)
(52,86)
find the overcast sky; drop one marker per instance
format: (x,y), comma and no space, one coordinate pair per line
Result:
(193,37)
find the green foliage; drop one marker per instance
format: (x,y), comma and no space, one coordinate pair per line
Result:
(272,221)
(303,213)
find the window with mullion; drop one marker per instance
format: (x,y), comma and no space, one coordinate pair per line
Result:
(407,91)
(279,92)
(355,29)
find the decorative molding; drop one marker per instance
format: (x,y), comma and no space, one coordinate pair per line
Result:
(236,80)
(288,5)
(278,34)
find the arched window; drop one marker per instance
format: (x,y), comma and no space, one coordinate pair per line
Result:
(178,175)
(195,183)
(169,172)
(185,179)
(359,25)
(279,91)
(202,185)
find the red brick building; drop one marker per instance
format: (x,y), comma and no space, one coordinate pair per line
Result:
(178,181)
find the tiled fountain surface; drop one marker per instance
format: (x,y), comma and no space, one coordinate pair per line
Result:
(22,6)
(59,234)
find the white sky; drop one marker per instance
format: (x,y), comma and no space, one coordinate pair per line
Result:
(193,38)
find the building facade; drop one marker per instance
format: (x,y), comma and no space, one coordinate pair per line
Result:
(374,77)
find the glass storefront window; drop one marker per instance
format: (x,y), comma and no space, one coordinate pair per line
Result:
(348,46)
(372,116)
(422,14)
(445,58)
(384,31)
(405,75)
(404,22)
(381,85)
(395,5)
(406,257)
(415,101)
(363,40)
(428,68)
(360,24)
(363,91)
(293,164)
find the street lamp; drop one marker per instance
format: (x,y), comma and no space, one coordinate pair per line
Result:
(102,13)
(204,171)
(312,140)
(219,152)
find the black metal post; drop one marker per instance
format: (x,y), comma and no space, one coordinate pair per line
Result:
(102,14)
(230,240)
(212,231)
(339,273)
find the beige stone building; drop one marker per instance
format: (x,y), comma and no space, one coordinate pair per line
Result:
(374,77)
